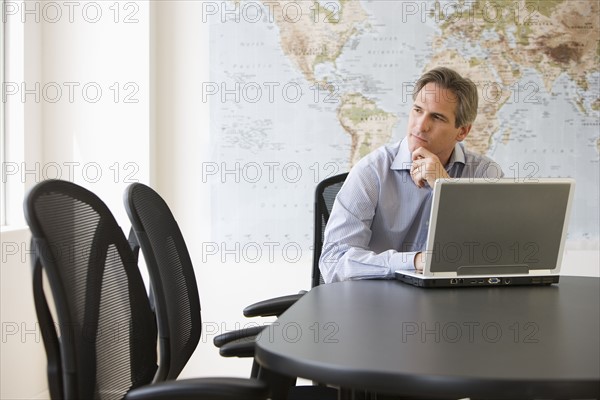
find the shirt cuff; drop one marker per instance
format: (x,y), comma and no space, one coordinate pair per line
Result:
(404,261)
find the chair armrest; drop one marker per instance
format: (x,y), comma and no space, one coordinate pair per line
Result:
(228,337)
(202,388)
(271,307)
(239,348)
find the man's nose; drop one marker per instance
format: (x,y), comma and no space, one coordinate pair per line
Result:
(423,123)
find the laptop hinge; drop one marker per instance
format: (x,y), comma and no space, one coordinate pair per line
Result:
(514,269)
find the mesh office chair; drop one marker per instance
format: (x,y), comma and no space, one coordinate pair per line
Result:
(170,265)
(105,346)
(172,279)
(241,343)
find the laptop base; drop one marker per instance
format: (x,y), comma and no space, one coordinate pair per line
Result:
(476,282)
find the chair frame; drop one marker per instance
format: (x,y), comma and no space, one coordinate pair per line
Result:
(321,210)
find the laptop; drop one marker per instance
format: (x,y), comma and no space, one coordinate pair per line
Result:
(495,233)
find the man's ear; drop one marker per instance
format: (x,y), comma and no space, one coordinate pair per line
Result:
(463,131)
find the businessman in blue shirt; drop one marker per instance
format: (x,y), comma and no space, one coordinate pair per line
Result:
(380,218)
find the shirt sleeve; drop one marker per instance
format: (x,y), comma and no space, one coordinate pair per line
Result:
(346,254)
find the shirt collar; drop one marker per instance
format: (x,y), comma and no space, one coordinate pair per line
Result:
(403,160)
(458,156)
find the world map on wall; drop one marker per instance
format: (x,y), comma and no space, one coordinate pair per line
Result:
(301,90)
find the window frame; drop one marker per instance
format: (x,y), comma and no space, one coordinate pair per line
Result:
(3,198)
(14,150)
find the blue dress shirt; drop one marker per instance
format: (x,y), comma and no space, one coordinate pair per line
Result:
(380,217)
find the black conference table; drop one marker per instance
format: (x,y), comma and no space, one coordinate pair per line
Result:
(486,342)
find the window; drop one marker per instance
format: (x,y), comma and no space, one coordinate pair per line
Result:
(2,123)
(12,146)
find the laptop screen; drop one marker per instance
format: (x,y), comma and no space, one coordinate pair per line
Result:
(508,226)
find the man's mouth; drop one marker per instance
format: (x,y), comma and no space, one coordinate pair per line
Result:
(419,138)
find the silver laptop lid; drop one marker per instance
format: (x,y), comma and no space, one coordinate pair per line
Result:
(500,227)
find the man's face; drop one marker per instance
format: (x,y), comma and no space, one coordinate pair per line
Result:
(431,123)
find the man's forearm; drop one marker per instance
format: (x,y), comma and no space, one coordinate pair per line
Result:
(342,262)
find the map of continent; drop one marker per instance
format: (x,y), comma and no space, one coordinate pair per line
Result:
(301,90)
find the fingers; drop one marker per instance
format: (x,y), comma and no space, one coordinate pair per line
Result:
(422,152)
(423,161)
(426,168)
(417,173)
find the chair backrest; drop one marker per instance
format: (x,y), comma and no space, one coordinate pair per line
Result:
(173,283)
(325,195)
(104,342)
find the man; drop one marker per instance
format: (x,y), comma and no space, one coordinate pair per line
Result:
(380,217)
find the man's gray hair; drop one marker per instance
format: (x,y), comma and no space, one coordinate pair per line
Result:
(463,88)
